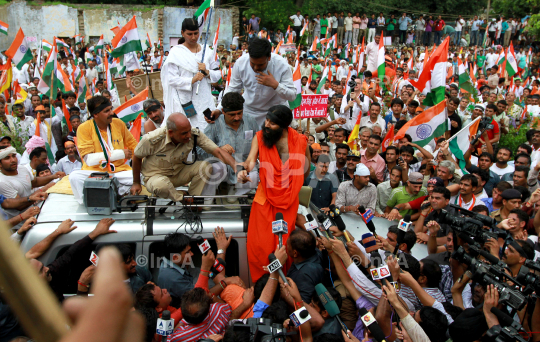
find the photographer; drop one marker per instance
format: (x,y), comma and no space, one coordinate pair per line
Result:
(438,200)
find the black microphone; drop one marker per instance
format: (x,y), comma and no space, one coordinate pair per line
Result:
(326,223)
(405,223)
(369,222)
(336,217)
(371,323)
(503,318)
(217,268)
(279,227)
(310,218)
(279,270)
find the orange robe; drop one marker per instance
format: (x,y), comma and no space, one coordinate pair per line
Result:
(277,192)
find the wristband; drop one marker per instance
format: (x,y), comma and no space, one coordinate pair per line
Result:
(205,271)
(82,284)
(21,217)
(273,278)
(298,305)
(223,284)
(422,215)
(395,208)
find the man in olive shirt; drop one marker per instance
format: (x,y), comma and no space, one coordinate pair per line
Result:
(162,156)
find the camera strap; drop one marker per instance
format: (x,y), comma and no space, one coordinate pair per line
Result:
(193,151)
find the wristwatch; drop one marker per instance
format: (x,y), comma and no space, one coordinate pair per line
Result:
(220,251)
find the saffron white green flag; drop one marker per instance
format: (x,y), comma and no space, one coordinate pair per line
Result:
(126,40)
(459,143)
(132,108)
(511,63)
(3,27)
(297,80)
(426,126)
(19,51)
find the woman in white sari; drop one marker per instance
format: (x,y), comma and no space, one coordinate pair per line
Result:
(181,73)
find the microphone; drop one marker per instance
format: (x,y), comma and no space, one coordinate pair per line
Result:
(367,217)
(371,323)
(311,224)
(217,268)
(279,227)
(275,266)
(403,227)
(330,305)
(326,224)
(503,318)
(165,325)
(336,217)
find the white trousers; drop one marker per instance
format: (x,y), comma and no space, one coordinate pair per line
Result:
(77,178)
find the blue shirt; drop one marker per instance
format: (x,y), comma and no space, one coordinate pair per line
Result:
(2,212)
(504,27)
(323,189)
(306,275)
(492,182)
(403,22)
(259,308)
(372,23)
(476,24)
(175,279)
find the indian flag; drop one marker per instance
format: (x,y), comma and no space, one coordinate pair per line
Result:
(6,78)
(60,44)
(323,80)
(303,29)
(459,143)
(315,44)
(381,62)
(511,63)
(19,51)
(426,126)
(78,39)
(3,27)
(99,45)
(202,12)
(46,45)
(464,79)
(361,57)
(76,75)
(108,76)
(215,44)
(48,78)
(433,77)
(132,108)
(83,90)
(127,40)
(297,80)
(148,42)
(63,81)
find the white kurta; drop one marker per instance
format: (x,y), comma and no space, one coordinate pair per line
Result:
(176,76)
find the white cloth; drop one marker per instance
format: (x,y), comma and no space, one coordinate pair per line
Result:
(19,185)
(501,172)
(43,133)
(91,74)
(372,52)
(259,98)
(176,76)
(366,121)
(77,178)
(220,173)
(24,125)
(131,61)
(67,166)
(356,110)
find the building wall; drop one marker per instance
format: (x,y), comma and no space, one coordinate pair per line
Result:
(46,22)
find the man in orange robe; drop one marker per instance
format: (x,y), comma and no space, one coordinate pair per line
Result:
(284,161)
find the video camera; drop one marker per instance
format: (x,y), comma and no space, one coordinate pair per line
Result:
(352,82)
(485,124)
(530,280)
(470,223)
(262,330)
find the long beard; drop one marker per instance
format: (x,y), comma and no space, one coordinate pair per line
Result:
(271,136)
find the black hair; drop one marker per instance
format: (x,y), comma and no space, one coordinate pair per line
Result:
(236,335)
(434,323)
(486,154)
(529,251)
(126,251)
(392,148)
(484,174)
(335,295)
(504,148)
(328,337)
(529,135)
(303,242)
(411,265)
(99,82)
(432,271)
(189,24)
(144,298)
(522,168)
(106,92)
(492,107)
(259,287)
(37,96)
(406,148)
(397,101)
(341,130)
(175,243)
(195,305)
(452,310)
(342,146)
(503,185)
(233,100)
(409,239)
(503,102)
(37,152)
(529,151)
(94,102)
(471,178)
(69,94)
(376,104)
(259,48)
(376,137)
(414,103)
(522,215)
(525,193)
(277,312)
(41,168)
(455,100)
(150,316)
(479,209)
(400,124)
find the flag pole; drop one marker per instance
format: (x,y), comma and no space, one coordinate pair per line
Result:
(205,42)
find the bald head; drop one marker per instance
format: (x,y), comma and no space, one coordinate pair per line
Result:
(179,128)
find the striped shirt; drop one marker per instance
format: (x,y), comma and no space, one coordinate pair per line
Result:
(215,323)
(407,292)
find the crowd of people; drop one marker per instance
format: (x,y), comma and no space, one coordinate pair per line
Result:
(237,133)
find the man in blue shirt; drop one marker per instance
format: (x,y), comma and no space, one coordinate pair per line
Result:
(324,184)
(403,22)
(475,30)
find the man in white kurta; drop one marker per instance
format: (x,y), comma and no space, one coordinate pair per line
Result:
(177,73)
(258,97)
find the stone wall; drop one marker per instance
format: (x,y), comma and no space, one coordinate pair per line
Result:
(46,22)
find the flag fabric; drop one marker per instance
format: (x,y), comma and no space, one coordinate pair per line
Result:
(108,76)
(63,81)
(381,63)
(361,57)
(3,27)
(324,77)
(132,108)
(148,42)
(81,95)
(215,43)
(60,44)
(78,38)
(347,87)
(202,12)
(297,80)
(116,29)
(315,43)
(20,93)
(7,76)
(99,45)
(126,40)
(354,134)
(160,61)
(46,45)
(433,76)
(19,51)
(66,119)
(460,142)
(48,78)
(289,35)
(76,75)
(426,126)
(388,139)
(464,79)
(135,129)
(511,62)
(304,29)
